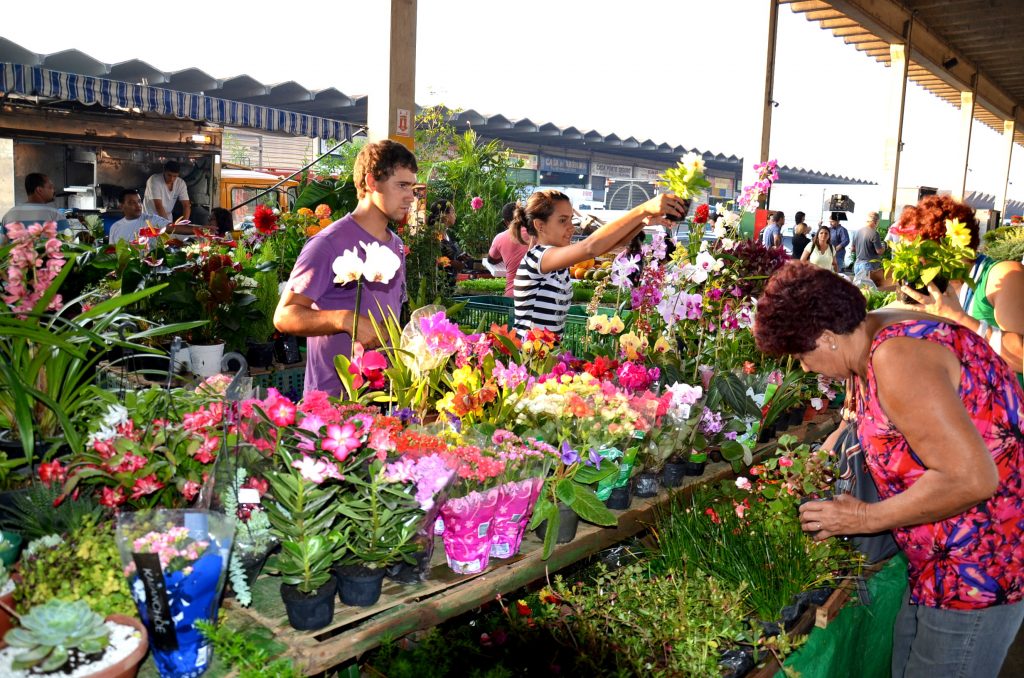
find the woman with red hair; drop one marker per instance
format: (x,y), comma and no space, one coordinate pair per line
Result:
(939,418)
(994,308)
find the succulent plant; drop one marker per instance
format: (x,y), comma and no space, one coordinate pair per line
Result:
(57,633)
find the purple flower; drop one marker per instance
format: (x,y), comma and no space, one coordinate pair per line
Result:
(595,459)
(730,435)
(624,266)
(454,422)
(406,416)
(569,455)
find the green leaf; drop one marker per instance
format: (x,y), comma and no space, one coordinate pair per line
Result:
(588,475)
(566,491)
(590,508)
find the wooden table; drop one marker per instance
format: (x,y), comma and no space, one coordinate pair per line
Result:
(405,608)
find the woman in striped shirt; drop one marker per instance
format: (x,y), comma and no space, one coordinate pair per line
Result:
(543,288)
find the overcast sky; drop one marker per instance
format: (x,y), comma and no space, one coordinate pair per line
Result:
(675,71)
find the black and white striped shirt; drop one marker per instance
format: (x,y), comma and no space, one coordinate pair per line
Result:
(541,299)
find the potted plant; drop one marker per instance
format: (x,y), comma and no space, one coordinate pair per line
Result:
(917,261)
(175,562)
(7,587)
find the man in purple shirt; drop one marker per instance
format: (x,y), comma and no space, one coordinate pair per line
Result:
(312,304)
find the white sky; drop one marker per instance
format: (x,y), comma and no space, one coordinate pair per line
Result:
(669,70)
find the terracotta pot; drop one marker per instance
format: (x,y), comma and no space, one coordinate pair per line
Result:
(129,666)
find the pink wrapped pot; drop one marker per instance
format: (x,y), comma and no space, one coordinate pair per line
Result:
(467,530)
(515,507)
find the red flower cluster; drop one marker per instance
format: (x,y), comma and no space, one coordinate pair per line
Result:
(470,462)
(264,220)
(702,213)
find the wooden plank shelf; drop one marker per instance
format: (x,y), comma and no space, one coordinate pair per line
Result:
(406,608)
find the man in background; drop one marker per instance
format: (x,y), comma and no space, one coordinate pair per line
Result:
(128,227)
(840,239)
(164,190)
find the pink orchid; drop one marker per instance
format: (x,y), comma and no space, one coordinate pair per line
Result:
(316,470)
(367,367)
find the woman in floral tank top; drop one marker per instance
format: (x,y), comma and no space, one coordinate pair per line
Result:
(940,421)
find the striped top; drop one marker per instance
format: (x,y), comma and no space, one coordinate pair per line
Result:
(541,299)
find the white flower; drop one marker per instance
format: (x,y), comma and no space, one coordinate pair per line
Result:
(758,398)
(348,267)
(743,483)
(719,230)
(708,263)
(817,403)
(244,281)
(694,273)
(694,162)
(381,262)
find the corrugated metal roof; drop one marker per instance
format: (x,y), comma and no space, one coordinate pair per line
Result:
(955,45)
(333,104)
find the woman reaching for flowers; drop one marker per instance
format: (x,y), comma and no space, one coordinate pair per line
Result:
(994,308)
(939,418)
(543,288)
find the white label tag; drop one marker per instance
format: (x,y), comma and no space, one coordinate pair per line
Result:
(248,495)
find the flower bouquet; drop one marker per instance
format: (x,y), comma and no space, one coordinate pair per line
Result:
(175,562)
(686,180)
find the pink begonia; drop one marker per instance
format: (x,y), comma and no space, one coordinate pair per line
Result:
(785,462)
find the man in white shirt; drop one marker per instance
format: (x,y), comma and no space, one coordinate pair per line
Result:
(134,219)
(35,210)
(163,190)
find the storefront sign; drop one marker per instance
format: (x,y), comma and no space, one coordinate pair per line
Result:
(646,173)
(603,169)
(567,165)
(529,160)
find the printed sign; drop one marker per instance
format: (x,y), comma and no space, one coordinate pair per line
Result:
(403,122)
(162,633)
(568,165)
(603,169)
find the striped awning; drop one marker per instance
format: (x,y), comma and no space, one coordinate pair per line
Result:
(36,81)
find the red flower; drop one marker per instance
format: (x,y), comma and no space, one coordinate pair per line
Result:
(146,485)
(264,220)
(701,215)
(112,498)
(523,609)
(710,512)
(258,484)
(51,472)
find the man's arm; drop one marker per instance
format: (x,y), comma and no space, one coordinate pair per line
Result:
(158,205)
(295,315)
(186,209)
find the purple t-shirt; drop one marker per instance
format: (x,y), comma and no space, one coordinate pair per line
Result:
(313,277)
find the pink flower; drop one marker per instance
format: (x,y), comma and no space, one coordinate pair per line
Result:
(442,335)
(476,203)
(368,367)
(189,490)
(743,484)
(52,472)
(341,440)
(112,498)
(785,462)
(316,470)
(146,485)
(279,409)
(741,508)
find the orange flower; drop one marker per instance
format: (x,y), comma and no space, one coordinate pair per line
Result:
(323,211)
(325,222)
(578,407)
(313,230)
(508,335)
(464,402)
(444,262)
(305,212)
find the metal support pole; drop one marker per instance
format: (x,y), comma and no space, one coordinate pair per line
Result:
(757,148)
(1009,128)
(967,100)
(893,148)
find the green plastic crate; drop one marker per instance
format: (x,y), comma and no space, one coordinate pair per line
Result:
(288,379)
(482,310)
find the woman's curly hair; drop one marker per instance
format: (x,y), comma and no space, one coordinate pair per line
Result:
(928,218)
(800,302)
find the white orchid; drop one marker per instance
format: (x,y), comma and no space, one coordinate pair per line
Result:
(381,262)
(708,263)
(348,267)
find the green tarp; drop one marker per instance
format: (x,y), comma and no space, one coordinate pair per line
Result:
(858,642)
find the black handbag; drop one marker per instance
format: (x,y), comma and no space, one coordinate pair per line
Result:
(853,478)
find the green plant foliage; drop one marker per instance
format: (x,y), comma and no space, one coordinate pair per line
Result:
(35,512)
(57,633)
(86,565)
(478,170)
(1005,243)
(251,653)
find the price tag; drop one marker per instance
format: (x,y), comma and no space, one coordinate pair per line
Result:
(248,495)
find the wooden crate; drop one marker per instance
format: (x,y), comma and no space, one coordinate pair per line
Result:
(405,608)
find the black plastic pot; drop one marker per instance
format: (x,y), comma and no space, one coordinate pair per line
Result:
(645,485)
(694,468)
(766,433)
(939,281)
(359,586)
(620,499)
(568,522)
(796,416)
(412,573)
(736,663)
(715,455)
(673,474)
(286,350)
(260,354)
(308,613)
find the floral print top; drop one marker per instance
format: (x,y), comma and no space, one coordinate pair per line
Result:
(975,559)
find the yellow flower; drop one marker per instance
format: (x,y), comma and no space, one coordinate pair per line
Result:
(632,345)
(465,375)
(305,212)
(598,323)
(958,233)
(662,345)
(615,325)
